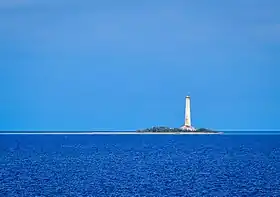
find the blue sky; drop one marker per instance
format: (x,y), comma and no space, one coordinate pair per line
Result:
(85,65)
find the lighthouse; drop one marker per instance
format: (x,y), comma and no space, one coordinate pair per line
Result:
(187,125)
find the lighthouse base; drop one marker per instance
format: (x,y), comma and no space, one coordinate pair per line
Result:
(187,128)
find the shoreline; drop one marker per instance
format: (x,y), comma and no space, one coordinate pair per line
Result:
(109,133)
(134,133)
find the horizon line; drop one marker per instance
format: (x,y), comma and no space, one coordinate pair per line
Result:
(135,133)
(101,133)
(134,130)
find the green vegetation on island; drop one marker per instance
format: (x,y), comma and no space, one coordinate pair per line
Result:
(174,130)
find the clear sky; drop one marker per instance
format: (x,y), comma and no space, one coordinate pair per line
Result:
(84,65)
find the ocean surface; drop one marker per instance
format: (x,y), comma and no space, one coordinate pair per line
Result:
(139,165)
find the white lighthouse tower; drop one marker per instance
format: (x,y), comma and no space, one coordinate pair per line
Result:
(187,125)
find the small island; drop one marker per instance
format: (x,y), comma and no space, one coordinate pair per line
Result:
(177,130)
(185,129)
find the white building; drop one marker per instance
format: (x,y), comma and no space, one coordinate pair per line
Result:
(187,124)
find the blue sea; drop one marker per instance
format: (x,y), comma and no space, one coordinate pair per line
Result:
(139,165)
